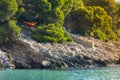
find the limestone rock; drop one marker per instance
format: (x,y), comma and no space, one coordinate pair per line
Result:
(84,52)
(5,61)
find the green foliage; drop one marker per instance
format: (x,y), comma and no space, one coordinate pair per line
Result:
(8,8)
(109,5)
(93,21)
(9,32)
(98,18)
(52,11)
(77,4)
(42,6)
(83,18)
(3,34)
(98,34)
(67,7)
(50,33)
(117,31)
(20,12)
(56,3)
(56,15)
(13,30)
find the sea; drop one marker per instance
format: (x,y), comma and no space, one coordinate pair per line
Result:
(101,73)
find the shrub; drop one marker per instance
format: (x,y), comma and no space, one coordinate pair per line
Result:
(3,34)
(50,33)
(20,12)
(98,34)
(52,11)
(83,19)
(93,21)
(52,14)
(9,31)
(77,4)
(109,5)
(56,15)
(8,8)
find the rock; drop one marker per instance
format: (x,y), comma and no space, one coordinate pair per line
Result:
(45,63)
(5,61)
(84,52)
(83,41)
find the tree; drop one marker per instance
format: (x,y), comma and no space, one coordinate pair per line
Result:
(109,5)
(77,4)
(82,19)
(9,31)
(93,21)
(8,8)
(68,21)
(56,3)
(67,7)
(13,30)
(52,11)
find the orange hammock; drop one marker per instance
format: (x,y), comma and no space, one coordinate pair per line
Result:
(30,24)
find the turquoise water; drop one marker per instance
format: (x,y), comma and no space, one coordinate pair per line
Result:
(109,73)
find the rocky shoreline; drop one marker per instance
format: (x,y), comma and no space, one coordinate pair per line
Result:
(5,61)
(84,52)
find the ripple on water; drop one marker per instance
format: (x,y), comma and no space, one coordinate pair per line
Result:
(111,73)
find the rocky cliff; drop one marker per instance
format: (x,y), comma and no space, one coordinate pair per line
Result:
(5,61)
(84,52)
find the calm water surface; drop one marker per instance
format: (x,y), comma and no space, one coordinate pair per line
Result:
(109,73)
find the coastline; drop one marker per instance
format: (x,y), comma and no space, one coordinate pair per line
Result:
(83,53)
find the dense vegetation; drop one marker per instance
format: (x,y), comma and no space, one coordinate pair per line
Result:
(51,33)
(93,21)
(94,18)
(9,31)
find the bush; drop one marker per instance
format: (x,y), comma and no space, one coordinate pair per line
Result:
(50,33)
(8,8)
(52,11)
(3,34)
(19,14)
(109,5)
(51,14)
(117,31)
(98,34)
(93,20)
(67,7)
(83,20)
(56,15)
(77,4)
(9,32)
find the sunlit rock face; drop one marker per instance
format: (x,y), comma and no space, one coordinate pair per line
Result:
(5,61)
(117,0)
(84,52)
